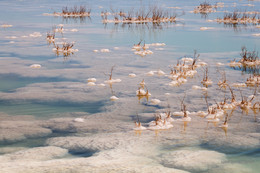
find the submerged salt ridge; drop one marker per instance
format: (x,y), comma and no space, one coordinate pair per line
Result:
(142,124)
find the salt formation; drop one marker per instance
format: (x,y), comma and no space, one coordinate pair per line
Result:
(193,160)
(132,75)
(75,12)
(237,17)
(205,8)
(105,50)
(113,98)
(153,15)
(13,131)
(37,153)
(35,66)
(186,68)
(35,34)
(205,28)
(155,101)
(92,79)
(80,120)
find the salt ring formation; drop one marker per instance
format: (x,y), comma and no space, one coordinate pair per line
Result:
(129,86)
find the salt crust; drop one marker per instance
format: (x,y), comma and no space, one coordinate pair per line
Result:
(200,160)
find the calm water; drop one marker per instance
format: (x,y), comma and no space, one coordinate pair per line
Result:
(52,96)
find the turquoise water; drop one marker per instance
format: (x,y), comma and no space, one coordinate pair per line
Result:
(59,88)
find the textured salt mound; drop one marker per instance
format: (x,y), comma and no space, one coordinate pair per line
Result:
(86,144)
(5,150)
(200,160)
(232,143)
(227,168)
(90,124)
(38,153)
(82,166)
(12,131)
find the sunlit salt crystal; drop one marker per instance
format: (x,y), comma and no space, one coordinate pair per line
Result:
(213,120)
(187,59)
(35,66)
(167,94)
(113,81)
(137,47)
(224,125)
(6,26)
(220,64)
(150,73)
(160,44)
(139,128)
(79,120)
(156,127)
(142,83)
(148,52)
(211,116)
(202,63)
(204,88)
(196,87)
(167,126)
(228,106)
(91,84)
(182,80)
(116,48)
(234,64)
(101,85)
(24,36)
(208,82)
(160,72)
(175,7)
(178,113)
(250,97)
(11,42)
(104,50)
(95,51)
(140,92)
(113,98)
(92,79)
(256,35)
(174,83)
(35,34)
(204,28)
(155,101)
(191,73)
(201,113)
(186,119)
(132,75)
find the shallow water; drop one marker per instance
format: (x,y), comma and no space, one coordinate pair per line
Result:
(39,106)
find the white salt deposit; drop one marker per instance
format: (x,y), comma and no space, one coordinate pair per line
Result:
(132,75)
(104,50)
(91,84)
(35,66)
(155,101)
(92,79)
(193,160)
(113,98)
(35,34)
